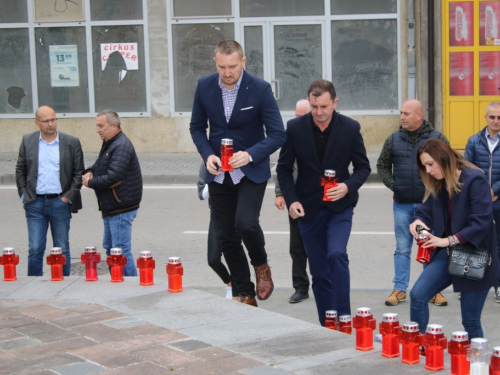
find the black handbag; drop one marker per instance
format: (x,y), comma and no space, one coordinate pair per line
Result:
(468,262)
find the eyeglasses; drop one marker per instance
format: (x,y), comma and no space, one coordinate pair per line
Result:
(50,120)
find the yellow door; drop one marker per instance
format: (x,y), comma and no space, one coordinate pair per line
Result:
(471,66)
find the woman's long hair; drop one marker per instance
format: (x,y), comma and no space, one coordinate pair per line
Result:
(450,163)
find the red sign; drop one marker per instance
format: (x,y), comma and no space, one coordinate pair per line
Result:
(461,73)
(489,23)
(462,23)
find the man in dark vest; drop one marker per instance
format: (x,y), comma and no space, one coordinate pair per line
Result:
(397,168)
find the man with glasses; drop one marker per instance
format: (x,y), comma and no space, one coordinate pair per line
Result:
(49,177)
(483,150)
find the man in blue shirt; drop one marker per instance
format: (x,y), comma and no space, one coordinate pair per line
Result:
(49,177)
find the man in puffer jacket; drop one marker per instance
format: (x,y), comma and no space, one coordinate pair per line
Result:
(483,150)
(117,181)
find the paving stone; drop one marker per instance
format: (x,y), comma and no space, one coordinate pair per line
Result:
(224,366)
(82,368)
(7,357)
(266,370)
(88,318)
(107,356)
(19,343)
(7,313)
(18,321)
(189,345)
(8,334)
(145,368)
(103,333)
(39,364)
(46,311)
(87,309)
(213,353)
(144,329)
(165,337)
(54,348)
(168,357)
(127,322)
(46,332)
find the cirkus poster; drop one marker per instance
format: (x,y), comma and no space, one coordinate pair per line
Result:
(461,73)
(489,23)
(462,23)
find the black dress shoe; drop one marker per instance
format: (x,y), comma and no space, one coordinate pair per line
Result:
(298,296)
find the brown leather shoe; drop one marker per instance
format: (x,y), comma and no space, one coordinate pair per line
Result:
(265,283)
(243,298)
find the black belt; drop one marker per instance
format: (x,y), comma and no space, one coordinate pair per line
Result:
(48,196)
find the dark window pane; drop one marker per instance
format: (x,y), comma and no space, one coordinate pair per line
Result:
(194,57)
(363,6)
(101,10)
(364,58)
(119,68)
(63,87)
(202,8)
(15,72)
(254,51)
(13,11)
(280,8)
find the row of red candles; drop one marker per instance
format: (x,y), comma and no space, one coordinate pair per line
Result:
(432,344)
(91,258)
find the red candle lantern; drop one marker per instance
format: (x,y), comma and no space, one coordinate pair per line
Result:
(331,320)
(457,348)
(56,260)
(146,265)
(226,153)
(175,272)
(365,325)
(345,324)
(328,181)
(116,261)
(9,260)
(435,343)
(495,361)
(423,253)
(390,330)
(410,340)
(91,258)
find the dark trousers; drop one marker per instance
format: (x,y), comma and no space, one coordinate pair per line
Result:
(496,215)
(236,210)
(300,279)
(214,253)
(325,238)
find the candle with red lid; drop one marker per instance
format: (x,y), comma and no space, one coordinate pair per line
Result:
(457,348)
(365,324)
(56,260)
(146,265)
(410,340)
(91,258)
(345,324)
(331,320)
(390,330)
(328,181)
(226,153)
(175,272)
(116,261)
(9,260)
(423,253)
(435,343)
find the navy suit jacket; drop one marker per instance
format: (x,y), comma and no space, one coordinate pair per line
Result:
(472,217)
(255,125)
(70,168)
(345,146)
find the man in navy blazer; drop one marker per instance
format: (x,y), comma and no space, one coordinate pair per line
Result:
(240,107)
(49,177)
(321,140)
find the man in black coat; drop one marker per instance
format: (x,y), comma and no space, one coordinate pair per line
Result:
(117,181)
(324,139)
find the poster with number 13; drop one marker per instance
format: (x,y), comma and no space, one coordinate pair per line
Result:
(64,66)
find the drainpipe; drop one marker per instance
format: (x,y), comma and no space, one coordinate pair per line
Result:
(430,60)
(412,66)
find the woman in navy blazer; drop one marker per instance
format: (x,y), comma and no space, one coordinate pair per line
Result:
(457,208)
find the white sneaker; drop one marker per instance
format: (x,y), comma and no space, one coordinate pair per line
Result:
(497,295)
(229,292)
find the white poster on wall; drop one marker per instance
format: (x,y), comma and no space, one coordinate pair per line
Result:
(64,66)
(120,55)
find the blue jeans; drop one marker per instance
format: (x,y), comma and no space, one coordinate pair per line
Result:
(403,217)
(325,239)
(39,214)
(433,280)
(118,233)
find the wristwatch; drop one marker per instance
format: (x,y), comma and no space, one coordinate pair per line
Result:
(452,241)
